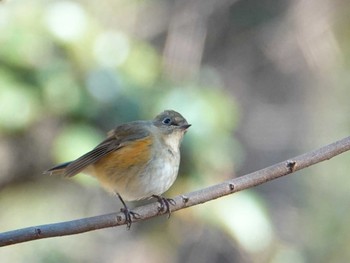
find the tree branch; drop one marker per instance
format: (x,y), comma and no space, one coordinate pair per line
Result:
(182,201)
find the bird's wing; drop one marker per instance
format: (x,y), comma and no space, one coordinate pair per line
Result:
(117,139)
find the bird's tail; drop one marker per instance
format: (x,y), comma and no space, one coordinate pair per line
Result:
(58,169)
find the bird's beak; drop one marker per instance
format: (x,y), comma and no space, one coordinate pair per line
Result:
(185,126)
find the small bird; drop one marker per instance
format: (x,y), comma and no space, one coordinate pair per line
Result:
(137,160)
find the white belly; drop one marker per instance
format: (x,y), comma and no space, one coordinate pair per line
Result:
(156,179)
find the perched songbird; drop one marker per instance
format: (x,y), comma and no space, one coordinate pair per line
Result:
(137,160)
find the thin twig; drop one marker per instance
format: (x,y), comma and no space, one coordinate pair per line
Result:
(182,201)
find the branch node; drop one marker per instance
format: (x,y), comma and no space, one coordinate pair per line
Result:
(37,231)
(232,186)
(185,199)
(291,165)
(119,219)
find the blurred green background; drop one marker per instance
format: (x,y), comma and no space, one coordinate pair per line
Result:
(260,81)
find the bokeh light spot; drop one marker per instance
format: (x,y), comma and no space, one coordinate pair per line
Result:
(66,20)
(18,107)
(75,140)
(111,48)
(103,85)
(243,216)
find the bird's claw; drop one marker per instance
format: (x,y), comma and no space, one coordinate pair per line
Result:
(165,204)
(129,215)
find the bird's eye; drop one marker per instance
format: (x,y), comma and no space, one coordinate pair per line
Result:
(167,121)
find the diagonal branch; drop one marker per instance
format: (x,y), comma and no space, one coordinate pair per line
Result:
(182,201)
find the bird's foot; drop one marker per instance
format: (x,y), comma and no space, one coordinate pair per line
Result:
(164,204)
(129,215)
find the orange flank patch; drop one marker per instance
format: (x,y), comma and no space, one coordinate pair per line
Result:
(134,153)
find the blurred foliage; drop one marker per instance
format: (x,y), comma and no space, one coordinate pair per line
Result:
(260,81)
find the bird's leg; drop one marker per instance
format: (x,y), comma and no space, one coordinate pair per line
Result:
(164,204)
(128,213)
